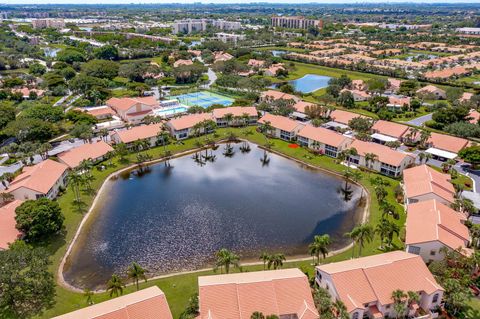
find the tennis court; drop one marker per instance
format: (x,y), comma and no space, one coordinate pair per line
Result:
(203,99)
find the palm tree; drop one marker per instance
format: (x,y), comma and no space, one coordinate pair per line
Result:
(257,315)
(386,229)
(319,246)
(398,297)
(413,297)
(266,128)
(370,158)
(121,150)
(276,260)
(381,193)
(340,310)
(264,257)
(115,285)
(421,157)
(75,180)
(87,293)
(225,259)
(136,272)
(424,136)
(389,209)
(228,118)
(361,235)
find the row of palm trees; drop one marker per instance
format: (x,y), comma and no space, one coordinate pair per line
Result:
(80,179)
(116,284)
(274,261)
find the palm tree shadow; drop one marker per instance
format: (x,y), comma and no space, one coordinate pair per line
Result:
(79,206)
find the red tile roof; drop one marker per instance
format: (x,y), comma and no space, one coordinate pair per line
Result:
(280,122)
(86,151)
(431,220)
(188,121)
(422,180)
(390,128)
(8,232)
(126,103)
(374,278)
(237,296)
(344,117)
(235,111)
(323,135)
(149,303)
(139,132)
(385,154)
(40,177)
(447,143)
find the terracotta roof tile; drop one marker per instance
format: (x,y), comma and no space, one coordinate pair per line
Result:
(8,232)
(139,132)
(237,296)
(431,220)
(235,111)
(40,177)
(149,303)
(385,154)
(280,122)
(374,278)
(86,151)
(344,117)
(447,143)
(323,135)
(422,180)
(188,121)
(389,128)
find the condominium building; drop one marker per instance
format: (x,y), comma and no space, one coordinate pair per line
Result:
(226,25)
(198,25)
(229,37)
(48,23)
(189,26)
(296,22)
(474,31)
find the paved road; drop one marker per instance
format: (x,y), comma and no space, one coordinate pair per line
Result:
(212,77)
(420,120)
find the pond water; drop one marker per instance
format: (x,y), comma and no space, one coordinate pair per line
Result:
(278,53)
(50,52)
(412,57)
(175,218)
(308,83)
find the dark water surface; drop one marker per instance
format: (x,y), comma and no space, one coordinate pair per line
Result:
(173,219)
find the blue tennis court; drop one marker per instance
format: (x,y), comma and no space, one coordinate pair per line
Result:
(203,99)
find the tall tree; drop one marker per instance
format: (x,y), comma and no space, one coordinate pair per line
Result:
(115,286)
(226,259)
(136,273)
(319,246)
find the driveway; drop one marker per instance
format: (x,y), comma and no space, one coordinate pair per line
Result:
(420,120)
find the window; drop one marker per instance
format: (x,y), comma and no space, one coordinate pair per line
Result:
(387,307)
(435,298)
(355,315)
(432,252)
(414,250)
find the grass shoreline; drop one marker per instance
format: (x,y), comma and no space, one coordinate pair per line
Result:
(178,288)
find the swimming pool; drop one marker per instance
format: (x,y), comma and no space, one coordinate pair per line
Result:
(170,112)
(203,98)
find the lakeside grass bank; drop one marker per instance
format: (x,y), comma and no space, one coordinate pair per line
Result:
(179,288)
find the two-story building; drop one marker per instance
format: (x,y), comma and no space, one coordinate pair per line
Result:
(385,131)
(322,140)
(247,115)
(133,109)
(285,293)
(44,179)
(183,127)
(432,226)
(94,152)
(138,133)
(281,127)
(388,161)
(421,183)
(365,285)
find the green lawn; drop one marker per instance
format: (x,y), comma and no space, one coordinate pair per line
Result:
(179,288)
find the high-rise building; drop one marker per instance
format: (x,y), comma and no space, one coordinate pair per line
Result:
(48,23)
(198,25)
(296,22)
